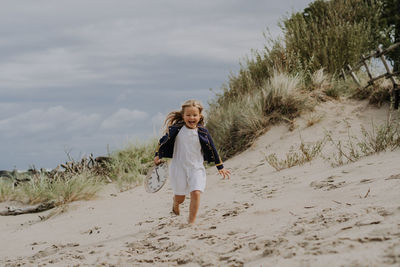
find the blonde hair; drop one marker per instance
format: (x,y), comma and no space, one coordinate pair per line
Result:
(176,117)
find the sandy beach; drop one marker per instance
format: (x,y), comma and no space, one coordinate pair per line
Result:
(308,215)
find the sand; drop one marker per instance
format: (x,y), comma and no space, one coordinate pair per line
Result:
(308,215)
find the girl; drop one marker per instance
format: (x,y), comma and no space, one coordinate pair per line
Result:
(188,143)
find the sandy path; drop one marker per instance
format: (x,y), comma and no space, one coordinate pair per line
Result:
(309,215)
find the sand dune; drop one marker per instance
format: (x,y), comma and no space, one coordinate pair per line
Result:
(309,215)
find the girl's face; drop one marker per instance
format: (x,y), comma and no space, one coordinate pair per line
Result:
(191,116)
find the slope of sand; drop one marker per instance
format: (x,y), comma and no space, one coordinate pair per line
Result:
(309,215)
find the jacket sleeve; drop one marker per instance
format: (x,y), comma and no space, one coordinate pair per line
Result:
(160,143)
(218,162)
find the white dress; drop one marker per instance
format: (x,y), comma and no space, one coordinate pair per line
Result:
(186,171)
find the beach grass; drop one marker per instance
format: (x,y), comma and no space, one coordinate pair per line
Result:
(379,138)
(304,153)
(129,165)
(235,124)
(295,72)
(43,189)
(126,169)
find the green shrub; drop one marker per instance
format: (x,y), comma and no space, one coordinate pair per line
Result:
(330,34)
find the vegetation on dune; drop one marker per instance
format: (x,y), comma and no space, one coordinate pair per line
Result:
(40,188)
(382,137)
(129,165)
(125,167)
(294,73)
(235,124)
(304,153)
(331,34)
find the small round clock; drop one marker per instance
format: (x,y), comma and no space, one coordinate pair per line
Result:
(156,177)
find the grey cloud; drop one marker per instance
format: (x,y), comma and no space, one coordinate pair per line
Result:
(123,118)
(46,122)
(87,74)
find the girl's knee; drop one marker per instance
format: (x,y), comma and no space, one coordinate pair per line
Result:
(179,199)
(195,193)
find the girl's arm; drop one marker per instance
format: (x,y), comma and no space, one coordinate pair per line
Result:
(218,162)
(163,139)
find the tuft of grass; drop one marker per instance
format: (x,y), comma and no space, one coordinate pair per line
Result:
(235,124)
(380,138)
(332,92)
(61,191)
(344,151)
(322,85)
(281,95)
(6,190)
(320,80)
(129,165)
(303,154)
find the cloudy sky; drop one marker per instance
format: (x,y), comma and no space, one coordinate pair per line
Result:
(89,76)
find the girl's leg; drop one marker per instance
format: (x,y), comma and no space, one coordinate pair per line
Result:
(178,199)
(194,205)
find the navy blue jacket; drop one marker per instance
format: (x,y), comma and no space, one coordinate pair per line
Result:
(166,145)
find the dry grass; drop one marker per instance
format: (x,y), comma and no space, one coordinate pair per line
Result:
(42,189)
(303,154)
(380,138)
(320,80)
(126,169)
(129,165)
(235,124)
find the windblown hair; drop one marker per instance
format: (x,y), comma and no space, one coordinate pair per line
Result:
(176,117)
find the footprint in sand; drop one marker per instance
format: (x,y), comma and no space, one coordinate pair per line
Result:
(328,184)
(264,192)
(366,181)
(393,177)
(93,230)
(232,212)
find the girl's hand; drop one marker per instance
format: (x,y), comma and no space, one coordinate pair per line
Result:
(225,173)
(157,160)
